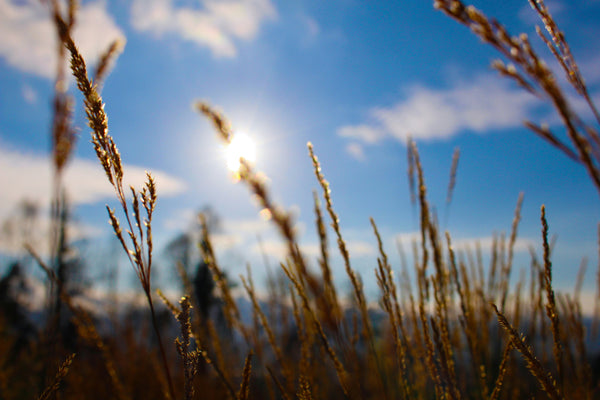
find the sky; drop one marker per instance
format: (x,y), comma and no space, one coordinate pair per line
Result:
(355,78)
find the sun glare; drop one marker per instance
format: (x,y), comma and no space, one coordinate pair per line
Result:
(241,146)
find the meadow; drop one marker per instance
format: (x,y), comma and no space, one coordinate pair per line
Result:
(459,329)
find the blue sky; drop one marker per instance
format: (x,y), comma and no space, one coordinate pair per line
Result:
(353,77)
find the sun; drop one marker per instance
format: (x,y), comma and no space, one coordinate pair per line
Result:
(241,146)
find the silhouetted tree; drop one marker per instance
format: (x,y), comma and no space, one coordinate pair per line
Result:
(184,249)
(204,286)
(14,320)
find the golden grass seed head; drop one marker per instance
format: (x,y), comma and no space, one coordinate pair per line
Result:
(455,7)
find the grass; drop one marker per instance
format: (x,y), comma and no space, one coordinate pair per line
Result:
(453,332)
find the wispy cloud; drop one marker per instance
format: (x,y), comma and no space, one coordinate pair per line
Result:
(465,243)
(18,230)
(278,250)
(356,150)
(29,94)
(590,69)
(366,133)
(216,24)
(29,176)
(28,38)
(480,105)
(528,15)
(312,26)
(486,243)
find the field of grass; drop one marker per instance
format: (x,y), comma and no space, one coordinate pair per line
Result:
(460,329)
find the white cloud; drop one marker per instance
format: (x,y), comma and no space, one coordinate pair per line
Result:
(224,242)
(271,248)
(529,16)
(482,104)
(358,248)
(356,150)
(217,25)
(312,26)
(486,243)
(254,226)
(17,232)
(522,245)
(590,69)
(278,250)
(29,177)
(407,238)
(240,233)
(29,94)
(28,37)
(366,133)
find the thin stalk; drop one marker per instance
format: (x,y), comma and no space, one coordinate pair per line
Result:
(160,346)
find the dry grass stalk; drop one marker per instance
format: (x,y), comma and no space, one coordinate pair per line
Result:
(411,171)
(429,340)
(532,73)
(542,312)
(139,251)
(306,337)
(452,181)
(581,365)
(385,280)
(257,185)
(278,384)
(199,327)
(172,307)
(231,311)
(447,374)
(257,339)
(304,390)
(535,367)
(249,287)
(562,53)
(245,385)
(85,327)
(446,354)
(428,229)
(425,223)
(357,286)
(507,267)
(330,292)
(215,365)
(87,330)
(468,323)
(354,279)
(219,356)
(189,359)
(63,139)
(517,301)
(283,222)
(580,278)
(502,370)
(432,366)
(63,134)
(339,368)
(60,375)
(596,318)
(551,310)
(106,59)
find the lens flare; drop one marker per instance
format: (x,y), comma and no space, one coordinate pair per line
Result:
(241,146)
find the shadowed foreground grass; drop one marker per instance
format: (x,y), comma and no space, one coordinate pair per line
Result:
(459,329)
